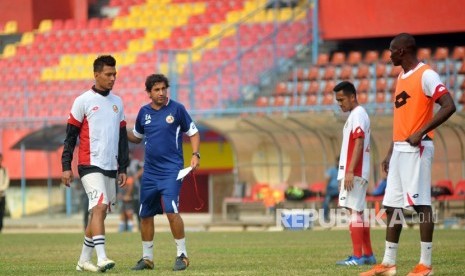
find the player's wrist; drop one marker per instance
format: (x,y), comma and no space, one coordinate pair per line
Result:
(197,154)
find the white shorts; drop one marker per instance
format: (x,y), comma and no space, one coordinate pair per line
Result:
(100,189)
(409,177)
(355,199)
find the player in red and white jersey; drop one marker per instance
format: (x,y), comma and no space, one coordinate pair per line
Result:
(409,160)
(353,173)
(97,118)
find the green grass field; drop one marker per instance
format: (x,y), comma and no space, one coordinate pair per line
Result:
(311,252)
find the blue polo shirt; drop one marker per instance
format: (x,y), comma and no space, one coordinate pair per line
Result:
(161,131)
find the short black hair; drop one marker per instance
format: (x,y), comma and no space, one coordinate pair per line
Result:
(101,61)
(155,78)
(346,86)
(407,42)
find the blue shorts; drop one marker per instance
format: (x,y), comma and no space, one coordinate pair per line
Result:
(154,191)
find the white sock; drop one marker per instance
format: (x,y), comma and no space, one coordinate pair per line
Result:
(390,253)
(147,250)
(181,247)
(99,243)
(426,249)
(87,249)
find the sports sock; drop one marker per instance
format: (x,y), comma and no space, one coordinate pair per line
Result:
(147,250)
(390,253)
(367,250)
(87,249)
(181,247)
(99,242)
(356,234)
(426,249)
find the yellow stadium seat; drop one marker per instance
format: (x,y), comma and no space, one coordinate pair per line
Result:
(9,50)
(119,23)
(27,38)
(285,14)
(11,27)
(233,17)
(45,25)
(66,61)
(47,74)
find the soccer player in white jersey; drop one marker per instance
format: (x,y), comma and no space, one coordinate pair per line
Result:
(97,118)
(353,173)
(409,160)
(160,124)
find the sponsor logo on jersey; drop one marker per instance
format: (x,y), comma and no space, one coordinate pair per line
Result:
(148,119)
(115,108)
(169,119)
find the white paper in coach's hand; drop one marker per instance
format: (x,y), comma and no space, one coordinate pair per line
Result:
(184,172)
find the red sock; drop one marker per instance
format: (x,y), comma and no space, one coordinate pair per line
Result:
(367,240)
(356,233)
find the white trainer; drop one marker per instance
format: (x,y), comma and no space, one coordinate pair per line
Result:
(86,266)
(105,265)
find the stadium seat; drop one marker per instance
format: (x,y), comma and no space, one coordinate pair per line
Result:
(458,53)
(424,54)
(381,84)
(313,87)
(330,72)
(441,53)
(395,71)
(380,70)
(323,59)
(371,56)
(386,56)
(446,184)
(313,73)
(312,99)
(362,97)
(363,86)
(354,58)
(459,191)
(281,88)
(338,58)
(363,71)
(346,72)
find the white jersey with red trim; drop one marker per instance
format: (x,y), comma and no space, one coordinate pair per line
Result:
(356,126)
(99,119)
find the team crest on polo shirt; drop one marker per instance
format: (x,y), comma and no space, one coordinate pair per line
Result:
(169,119)
(115,108)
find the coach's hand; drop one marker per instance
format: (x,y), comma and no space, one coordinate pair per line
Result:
(67,177)
(195,162)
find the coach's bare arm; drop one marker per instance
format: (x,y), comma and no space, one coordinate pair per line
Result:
(132,138)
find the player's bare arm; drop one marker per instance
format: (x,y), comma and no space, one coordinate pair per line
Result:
(387,159)
(195,143)
(132,138)
(356,155)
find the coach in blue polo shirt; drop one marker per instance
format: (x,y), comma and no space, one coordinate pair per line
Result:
(160,124)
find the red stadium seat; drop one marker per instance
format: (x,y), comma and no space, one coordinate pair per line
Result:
(330,72)
(312,99)
(371,57)
(354,58)
(424,54)
(380,70)
(386,56)
(313,87)
(363,71)
(395,71)
(323,59)
(363,86)
(313,73)
(381,84)
(362,97)
(261,101)
(459,52)
(441,53)
(346,72)
(338,58)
